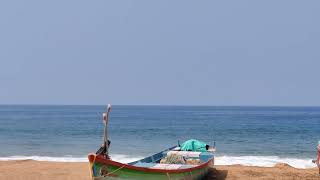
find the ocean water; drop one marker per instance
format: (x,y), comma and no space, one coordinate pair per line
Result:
(261,136)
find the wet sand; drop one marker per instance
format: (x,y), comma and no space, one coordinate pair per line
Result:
(34,170)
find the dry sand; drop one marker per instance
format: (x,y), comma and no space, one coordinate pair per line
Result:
(33,170)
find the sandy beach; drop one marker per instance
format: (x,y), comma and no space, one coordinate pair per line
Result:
(33,170)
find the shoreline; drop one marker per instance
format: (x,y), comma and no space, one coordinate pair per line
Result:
(31,169)
(254,161)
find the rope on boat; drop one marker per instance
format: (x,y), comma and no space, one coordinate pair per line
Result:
(168,176)
(116,170)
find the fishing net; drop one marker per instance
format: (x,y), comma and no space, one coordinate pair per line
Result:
(192,161)
(173,159)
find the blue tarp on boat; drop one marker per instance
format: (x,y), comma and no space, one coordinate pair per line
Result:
(194,145)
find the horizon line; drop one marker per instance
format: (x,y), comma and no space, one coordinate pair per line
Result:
(186,105)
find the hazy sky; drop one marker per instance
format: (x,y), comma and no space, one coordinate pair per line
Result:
(160,52)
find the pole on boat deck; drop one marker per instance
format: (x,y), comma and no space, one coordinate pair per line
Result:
(105,133)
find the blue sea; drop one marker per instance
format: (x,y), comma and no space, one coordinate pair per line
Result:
(261,136)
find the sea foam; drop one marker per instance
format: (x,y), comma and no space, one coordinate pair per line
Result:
(117,157)
(45,158)
(262,161)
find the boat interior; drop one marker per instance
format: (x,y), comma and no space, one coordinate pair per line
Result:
(174,158)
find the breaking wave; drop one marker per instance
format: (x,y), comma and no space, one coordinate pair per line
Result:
(262,161)
(116,157)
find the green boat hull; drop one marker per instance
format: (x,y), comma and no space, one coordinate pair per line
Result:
(116,172)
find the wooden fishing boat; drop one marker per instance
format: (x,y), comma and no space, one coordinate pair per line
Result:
(151,167)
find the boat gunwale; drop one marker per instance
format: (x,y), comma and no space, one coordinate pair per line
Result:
(101,159)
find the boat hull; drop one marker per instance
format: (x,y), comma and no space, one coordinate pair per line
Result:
(107,169)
